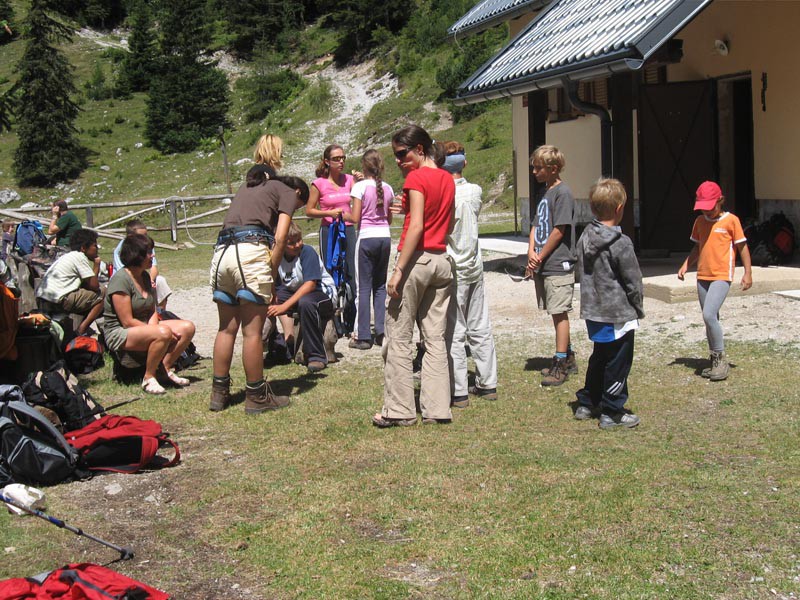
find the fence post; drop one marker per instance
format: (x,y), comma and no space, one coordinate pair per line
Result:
(225,158)
(89,218)
(173,221)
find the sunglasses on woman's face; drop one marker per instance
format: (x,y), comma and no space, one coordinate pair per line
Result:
(337,158)
(401,154)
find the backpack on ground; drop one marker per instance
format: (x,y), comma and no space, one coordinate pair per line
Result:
(781,232)
(32,450)
(29,235)
(189,356)
(58,390)
(122,444)
(79,580)
(84,354)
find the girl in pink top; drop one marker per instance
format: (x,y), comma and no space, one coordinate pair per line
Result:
(329,199)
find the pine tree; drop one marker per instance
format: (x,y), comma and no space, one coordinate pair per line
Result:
(49,150)
(188,95)
(137,67)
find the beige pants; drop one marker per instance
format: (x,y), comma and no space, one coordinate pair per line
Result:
(427,294)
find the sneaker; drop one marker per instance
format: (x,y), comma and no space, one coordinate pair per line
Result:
(583,413)
(719,367)
(460,401)
(485,393)
(360,344)
(618,420)
(572,365)
(430,421)
(557,374)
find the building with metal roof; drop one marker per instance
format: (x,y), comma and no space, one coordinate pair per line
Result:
(661,94)
(488,13)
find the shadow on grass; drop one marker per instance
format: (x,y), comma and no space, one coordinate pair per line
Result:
(537,363)
(696,364)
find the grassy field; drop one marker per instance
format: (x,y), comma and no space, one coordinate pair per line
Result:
(514,499)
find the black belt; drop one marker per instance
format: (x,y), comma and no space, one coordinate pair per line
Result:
(245,234)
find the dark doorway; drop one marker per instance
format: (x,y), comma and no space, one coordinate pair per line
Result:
(735,107)
(677,152)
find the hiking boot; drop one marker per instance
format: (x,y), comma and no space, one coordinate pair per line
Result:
(360,344)
(329,339)
(557,374)
(262,399)
(220,395)
(584,413)
(485,393)
(460,401)
(707,371)
(719,367)
(315,366)
(572,365)
(618,420)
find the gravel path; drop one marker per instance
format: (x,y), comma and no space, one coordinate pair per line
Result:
(512,305)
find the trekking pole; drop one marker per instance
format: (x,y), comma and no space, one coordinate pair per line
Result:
(124,553)
(112,407)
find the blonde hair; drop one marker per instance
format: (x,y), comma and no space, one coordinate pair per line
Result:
(294,234)
(605,196)
(268,151)
(549,156)
(372,165)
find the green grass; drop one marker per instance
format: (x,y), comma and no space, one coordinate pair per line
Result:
(514,499)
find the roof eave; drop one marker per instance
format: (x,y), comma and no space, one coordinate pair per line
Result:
(551,79)
(501,17)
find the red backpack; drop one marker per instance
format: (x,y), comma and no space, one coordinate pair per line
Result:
(122,444)
(80,580)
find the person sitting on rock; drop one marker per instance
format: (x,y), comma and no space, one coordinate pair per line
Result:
(160,285)
(71,283)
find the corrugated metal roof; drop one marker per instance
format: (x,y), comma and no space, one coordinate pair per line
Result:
(579,39)
(488,13)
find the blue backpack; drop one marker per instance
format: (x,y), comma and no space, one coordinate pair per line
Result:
(29,235)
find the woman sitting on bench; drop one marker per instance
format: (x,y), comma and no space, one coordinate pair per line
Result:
(130,319)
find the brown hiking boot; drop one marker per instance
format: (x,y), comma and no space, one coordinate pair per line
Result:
(220,395)
(557,374)
(329,339)
(707,371)
(719,367)
(262,399)
(572,365)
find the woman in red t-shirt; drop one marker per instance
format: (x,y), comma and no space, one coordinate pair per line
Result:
(420,287)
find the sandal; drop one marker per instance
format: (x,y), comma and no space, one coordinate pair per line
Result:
(151,386)
(384,422)
(177,379)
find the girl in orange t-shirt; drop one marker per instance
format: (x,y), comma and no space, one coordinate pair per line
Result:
(717,235)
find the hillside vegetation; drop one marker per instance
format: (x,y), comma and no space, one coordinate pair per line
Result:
(306,109)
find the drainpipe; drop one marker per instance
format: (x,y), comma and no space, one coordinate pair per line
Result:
(571,88)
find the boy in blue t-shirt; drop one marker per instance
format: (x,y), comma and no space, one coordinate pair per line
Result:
(303,282)
(551,257)
(612,301)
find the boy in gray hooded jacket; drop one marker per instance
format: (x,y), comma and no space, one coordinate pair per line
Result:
(611,303)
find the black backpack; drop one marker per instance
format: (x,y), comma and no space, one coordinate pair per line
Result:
(58,390)
(32,450)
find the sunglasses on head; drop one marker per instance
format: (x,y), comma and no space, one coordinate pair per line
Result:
(401,154)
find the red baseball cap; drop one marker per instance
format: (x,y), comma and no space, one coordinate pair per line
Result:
(707,196)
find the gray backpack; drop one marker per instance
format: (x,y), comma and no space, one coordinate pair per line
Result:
(32,450)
